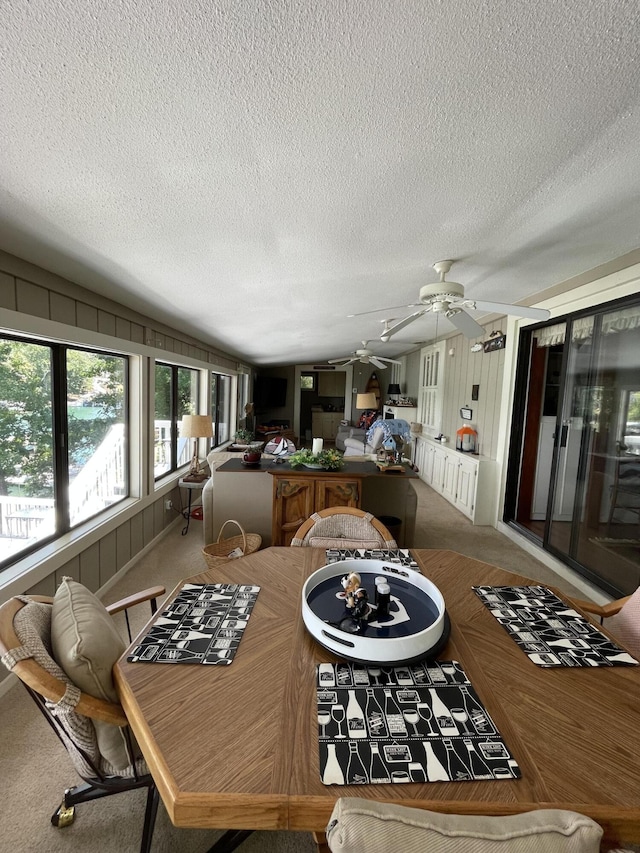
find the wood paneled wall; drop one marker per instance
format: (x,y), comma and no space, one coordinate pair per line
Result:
(463,370)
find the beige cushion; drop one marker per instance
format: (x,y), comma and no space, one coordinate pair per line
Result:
(339,542)
(86,644)
(625,625)
(363,826)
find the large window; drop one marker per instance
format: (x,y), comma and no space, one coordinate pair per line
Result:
(176,395)
(221,386)
(63,440)
(574,477)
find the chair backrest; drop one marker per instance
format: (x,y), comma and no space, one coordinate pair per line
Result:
(625,625)
(364,826)
(343,527)
(26,650)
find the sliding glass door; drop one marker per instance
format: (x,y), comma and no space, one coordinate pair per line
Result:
(574,481)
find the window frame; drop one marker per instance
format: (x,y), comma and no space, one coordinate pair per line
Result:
(218,390)
(58,376)
(174,420)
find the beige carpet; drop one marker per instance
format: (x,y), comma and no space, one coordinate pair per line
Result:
(34,767)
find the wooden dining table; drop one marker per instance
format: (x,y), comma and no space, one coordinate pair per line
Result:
(236,747)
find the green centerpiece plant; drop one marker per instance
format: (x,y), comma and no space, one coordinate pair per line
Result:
(330,460)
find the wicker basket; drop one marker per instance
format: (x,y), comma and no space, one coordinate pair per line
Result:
(218,553)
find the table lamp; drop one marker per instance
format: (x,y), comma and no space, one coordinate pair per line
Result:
(195,427)
(366,401)
(393,391)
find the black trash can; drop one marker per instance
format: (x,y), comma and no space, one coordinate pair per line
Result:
(393,525)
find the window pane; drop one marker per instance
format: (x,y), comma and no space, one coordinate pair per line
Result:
(97,438)
(162,421)
(187,405)
(224,409)
(221,388)
(27,511)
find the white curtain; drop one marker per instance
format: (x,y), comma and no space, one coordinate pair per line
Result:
(621,321)
(582,328)
(551,335)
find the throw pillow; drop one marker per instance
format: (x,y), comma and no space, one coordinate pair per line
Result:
(86,644)
(367,418)
(358,825)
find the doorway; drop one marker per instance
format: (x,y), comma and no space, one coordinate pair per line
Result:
(574,468)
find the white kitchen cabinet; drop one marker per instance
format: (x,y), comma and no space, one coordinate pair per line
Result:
(325,424)
(466,486)
(468,482)
(450,479)
(438,469)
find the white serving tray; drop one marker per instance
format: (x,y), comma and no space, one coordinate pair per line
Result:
(377,644)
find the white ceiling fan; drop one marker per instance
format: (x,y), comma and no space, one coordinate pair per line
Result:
(447,298)
(365,356)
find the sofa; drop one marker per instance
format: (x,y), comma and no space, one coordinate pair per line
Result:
(395,430)
(346,431)
(250,508)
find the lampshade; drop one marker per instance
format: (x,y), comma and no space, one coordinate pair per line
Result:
(394,390)
(196,426)
(366,401)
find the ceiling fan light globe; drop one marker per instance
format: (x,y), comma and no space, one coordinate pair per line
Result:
(441,290)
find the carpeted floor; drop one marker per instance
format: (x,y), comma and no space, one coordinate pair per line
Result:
(34,767)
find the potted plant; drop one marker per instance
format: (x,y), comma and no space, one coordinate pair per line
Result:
(252,455)
(243,436)
(328,460)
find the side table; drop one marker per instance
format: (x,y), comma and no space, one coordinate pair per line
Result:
(190,486)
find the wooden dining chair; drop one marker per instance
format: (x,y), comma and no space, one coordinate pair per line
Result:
(621,617)
(364,826)
(343,527)
(42,641)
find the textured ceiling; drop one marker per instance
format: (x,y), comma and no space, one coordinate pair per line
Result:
(252,172)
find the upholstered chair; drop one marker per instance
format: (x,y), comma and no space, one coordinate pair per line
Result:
(63,650)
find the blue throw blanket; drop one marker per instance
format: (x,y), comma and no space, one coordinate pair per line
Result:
(391,427)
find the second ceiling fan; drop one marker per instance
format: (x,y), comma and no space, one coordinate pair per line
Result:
(365,356)
(447,298)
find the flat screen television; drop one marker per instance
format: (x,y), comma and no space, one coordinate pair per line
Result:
(269,392)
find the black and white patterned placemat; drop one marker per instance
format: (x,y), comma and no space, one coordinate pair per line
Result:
(203,624)
(417,723)
(399,556)
(548,630)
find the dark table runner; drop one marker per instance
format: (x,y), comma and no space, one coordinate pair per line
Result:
(417,723)
(550,631)
(203,624)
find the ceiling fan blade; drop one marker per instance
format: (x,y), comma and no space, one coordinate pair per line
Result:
(338,360)
(466,324)
(515,310)
(376,310)
(388,360)
(388,332)
(377,363)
